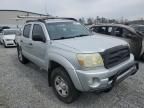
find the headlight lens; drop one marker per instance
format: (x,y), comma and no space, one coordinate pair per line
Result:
(90,60)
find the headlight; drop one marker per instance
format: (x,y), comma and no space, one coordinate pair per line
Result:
(90,60)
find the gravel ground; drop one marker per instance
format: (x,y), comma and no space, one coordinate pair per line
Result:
(26,86)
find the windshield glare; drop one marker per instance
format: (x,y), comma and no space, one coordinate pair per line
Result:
(64,30)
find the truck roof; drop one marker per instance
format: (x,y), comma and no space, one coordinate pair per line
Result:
(51,19)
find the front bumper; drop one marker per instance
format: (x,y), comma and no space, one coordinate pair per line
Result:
(10,43)
(96,80)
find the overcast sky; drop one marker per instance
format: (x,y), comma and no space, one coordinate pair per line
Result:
(131,9)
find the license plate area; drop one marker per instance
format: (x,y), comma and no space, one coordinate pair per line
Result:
(122,75)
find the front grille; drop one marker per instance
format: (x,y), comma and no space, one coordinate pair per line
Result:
(10,44)
(115,56)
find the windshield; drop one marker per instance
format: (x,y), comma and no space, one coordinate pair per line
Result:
(65,30)
(10,32)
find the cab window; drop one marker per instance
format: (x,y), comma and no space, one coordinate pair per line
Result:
(102,30)
(38,33)
(109,30)
(94,29)
(118,31)
(26,31)
(127,33)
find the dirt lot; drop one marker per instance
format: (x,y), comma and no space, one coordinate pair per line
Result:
(26,86)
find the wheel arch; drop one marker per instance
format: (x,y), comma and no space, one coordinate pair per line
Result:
(58,60)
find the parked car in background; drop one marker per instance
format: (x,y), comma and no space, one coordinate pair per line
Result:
(18,34)
(76,59)
(0,35)
(3,27)
(1,32)
(8,37)
(134,38)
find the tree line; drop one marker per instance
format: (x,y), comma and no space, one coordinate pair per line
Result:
(98,20)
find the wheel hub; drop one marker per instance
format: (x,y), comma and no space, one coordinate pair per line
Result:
(61,86)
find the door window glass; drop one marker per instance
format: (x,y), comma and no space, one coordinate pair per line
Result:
(118,32)
(127,33)
(26,31)
(109,30)
(38,32)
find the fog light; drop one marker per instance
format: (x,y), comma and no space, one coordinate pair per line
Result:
(94,82)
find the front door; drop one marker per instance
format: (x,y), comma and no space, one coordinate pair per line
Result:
(39,47)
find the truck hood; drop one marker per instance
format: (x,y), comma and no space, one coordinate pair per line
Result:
(89,44)
(9,37)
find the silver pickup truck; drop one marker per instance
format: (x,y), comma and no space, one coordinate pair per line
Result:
(76,59)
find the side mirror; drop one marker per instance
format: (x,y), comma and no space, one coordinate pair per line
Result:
(19,33)
(38,38)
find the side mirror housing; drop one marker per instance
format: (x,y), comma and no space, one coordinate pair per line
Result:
(19,33)
(38,38)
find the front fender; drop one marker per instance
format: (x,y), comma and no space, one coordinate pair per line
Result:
(68,67)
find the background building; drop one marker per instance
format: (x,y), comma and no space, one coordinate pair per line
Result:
(10,17)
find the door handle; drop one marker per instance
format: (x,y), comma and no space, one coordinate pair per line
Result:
(30,44)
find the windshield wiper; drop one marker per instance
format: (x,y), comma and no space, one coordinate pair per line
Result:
(81,35)
(63,38)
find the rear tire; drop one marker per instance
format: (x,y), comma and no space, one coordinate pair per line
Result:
(21,58)
(63,86)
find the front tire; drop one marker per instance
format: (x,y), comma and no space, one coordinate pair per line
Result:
(63,86)
(21,58)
